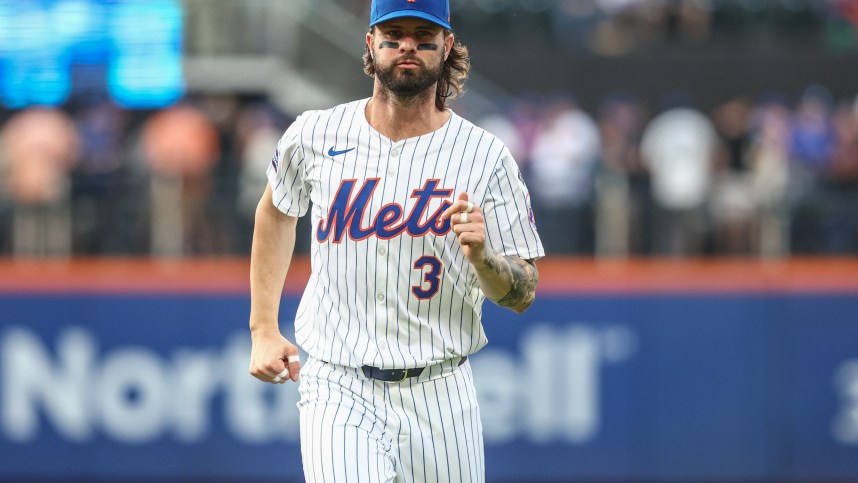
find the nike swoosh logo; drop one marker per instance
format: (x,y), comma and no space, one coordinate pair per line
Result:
(333,153)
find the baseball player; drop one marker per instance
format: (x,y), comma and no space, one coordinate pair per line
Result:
(418,216)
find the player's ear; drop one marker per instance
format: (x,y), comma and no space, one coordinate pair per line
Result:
(449,40)
(369,41)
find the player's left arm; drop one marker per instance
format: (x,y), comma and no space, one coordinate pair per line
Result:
(509,281)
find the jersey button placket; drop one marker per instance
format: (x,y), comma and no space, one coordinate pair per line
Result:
(395,151)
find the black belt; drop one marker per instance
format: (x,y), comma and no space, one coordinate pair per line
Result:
(396,375)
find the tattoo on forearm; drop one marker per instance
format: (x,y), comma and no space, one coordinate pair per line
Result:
(493,262)
(523,278)
(522,275)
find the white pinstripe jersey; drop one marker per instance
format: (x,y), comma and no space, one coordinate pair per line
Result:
(390,286)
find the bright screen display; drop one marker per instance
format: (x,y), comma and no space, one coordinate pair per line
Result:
(51,50)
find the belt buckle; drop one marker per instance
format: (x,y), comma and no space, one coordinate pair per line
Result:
(404,375)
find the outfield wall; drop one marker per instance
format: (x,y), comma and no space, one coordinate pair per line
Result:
(684,371)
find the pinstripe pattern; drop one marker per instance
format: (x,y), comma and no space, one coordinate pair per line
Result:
(353,429)
(391,288)
(358,307)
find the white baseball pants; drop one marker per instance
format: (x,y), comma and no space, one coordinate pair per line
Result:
(423,429)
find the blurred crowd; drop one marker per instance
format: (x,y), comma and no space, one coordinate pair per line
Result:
(754,177)
(621,27)
(96,179)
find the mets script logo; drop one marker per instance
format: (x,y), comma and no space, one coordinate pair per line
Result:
(344,216)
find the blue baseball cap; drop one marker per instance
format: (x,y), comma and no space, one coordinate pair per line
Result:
(435,11)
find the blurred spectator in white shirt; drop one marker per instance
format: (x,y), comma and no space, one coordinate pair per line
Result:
(678,147)
(564,159)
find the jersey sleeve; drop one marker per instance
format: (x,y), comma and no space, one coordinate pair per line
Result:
(510,225)
(287,175)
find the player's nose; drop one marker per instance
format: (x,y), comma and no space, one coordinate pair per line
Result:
(407,44)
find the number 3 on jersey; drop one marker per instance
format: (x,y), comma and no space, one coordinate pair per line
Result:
(431,277)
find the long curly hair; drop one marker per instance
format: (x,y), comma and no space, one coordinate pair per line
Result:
(455,72)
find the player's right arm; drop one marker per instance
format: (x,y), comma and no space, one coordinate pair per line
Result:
(271,254)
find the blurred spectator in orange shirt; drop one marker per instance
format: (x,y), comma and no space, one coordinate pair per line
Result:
(180,145)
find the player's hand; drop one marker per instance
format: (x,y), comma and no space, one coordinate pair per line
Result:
(469,225)
(271,355)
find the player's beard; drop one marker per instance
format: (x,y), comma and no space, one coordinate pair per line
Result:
(409,83)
